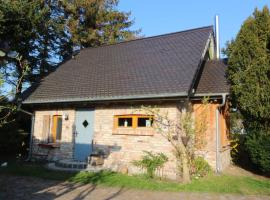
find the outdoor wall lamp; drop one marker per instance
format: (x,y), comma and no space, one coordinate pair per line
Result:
(65,116)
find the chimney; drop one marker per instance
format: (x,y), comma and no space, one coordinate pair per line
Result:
(217,37)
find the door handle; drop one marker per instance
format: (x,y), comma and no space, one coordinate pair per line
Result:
(76,133)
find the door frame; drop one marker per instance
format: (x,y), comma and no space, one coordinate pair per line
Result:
(75,128)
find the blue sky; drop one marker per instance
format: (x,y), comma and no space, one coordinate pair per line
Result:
(157,17)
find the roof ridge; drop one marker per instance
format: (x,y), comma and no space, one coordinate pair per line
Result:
(150,37)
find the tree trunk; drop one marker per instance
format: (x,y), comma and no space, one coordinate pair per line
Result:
(184,161)
(18,90)
(185,168)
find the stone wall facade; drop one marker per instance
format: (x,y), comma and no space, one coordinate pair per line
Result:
(64,148)
(225,158)
(124,145)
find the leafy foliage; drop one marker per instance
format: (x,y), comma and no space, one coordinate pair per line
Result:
(201,124)
(97,22)
(249,69)
(249,74)
(200,167)
(46,33)
(151,162)
(258,147)
(14,135)
(182,133)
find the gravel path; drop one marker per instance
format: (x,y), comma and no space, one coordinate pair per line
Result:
(26,188)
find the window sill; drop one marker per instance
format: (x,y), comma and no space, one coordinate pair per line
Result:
(49,145)
(55,144)
(141,131)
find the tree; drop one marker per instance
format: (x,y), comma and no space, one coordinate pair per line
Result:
(7,107)
(21,24)
(249,74)
(96,22)
(182,133)
(249,69)
(46,33)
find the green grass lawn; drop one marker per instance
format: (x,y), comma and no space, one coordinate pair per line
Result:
(212,183)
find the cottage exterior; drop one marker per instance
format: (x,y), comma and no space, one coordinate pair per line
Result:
(91,102)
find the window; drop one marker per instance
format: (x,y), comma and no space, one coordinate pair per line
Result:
(133,121)
(56,128)
(145,121)
(125,122)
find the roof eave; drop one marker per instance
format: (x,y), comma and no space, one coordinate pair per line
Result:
(165,95)
(195,77)
(211,94)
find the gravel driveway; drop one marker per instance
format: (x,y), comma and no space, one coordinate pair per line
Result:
(26,188)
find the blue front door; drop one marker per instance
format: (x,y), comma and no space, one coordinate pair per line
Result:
(84,134)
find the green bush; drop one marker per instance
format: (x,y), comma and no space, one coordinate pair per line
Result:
(151,162)
(257,145)
(14,136)
(200,167)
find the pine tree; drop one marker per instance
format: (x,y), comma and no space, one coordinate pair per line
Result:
(249,69)
(97,22)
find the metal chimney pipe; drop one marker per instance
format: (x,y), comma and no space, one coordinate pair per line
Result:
(217,37)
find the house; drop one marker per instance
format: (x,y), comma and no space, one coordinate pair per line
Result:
(92,100)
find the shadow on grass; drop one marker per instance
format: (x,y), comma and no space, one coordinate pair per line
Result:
(17,182)
(93,178)
(87,182)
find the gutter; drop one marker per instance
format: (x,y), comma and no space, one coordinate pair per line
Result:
(210,94)
(218,166)
(89,99)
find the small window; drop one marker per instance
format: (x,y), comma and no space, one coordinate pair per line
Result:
(133,121)
(145,121)
(57,128)
(125,122)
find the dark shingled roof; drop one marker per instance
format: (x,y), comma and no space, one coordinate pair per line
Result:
(159,66)
(213,78)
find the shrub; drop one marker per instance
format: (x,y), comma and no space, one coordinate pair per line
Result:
(14,136)
(257,145)
(151,162)
(200,167)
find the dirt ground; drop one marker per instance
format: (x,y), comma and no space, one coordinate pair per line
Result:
(26,188)
(237,171)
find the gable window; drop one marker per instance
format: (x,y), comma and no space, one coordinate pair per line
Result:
(56,128)
(133,121)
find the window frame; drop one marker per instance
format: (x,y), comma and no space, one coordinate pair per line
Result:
(134,124)
(145,116)
(125,117)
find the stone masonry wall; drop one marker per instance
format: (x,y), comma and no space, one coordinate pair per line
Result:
(125,147)
(127,144)
(225,158)
(65,149)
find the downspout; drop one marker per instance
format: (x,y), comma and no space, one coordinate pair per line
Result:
(31,132)
(218,168)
